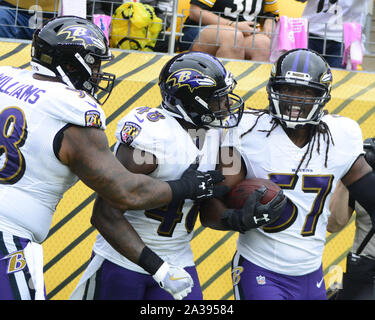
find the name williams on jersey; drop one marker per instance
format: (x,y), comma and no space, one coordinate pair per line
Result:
(25,92)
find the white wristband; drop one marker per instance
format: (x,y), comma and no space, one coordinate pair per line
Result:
(160,274)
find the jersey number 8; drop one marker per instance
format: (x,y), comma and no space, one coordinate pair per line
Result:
(13,133)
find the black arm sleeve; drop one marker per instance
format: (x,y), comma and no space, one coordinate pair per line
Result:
(351,202)
(363,191)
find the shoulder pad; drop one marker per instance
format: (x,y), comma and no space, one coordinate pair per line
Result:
(150,121)
(76,107)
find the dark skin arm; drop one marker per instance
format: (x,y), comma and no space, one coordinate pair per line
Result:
(359,169)
(212,210)
(116,230)
(111,223)
(341,212)
(85,151)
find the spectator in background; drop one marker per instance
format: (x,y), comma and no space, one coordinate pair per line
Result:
(100,12)
(358,280)
(163,9)
(230,28)
(326,18)
(106,7)
(20,18)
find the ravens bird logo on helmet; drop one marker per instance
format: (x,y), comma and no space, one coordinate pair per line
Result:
(193,79)
(82,35)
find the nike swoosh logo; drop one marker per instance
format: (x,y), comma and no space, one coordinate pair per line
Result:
(92,104)
(319,284)
(140,120)
(174,279)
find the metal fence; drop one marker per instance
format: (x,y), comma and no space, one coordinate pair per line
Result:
(30,14)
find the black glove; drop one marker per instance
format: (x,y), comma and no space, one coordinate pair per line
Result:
(254,214)
(197,185)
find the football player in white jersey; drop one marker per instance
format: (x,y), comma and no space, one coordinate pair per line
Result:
(197,99)
(51,134)
(306,152)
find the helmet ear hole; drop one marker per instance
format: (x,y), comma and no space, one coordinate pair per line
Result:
(56,29)
(70,68)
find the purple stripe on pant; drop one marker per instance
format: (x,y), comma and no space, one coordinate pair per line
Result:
(252,282)
(12,263)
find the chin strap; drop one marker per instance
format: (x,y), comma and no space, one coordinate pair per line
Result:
(64,77)
(38,68)
(183,115)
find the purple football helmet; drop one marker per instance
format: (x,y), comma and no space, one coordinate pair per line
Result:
(305,70)
(197,88)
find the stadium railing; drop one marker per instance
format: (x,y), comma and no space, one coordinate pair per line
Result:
(173,14)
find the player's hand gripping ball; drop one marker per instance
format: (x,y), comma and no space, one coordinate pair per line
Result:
(239,194)
(253,203)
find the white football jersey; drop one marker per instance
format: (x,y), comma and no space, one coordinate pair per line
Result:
(167,231)
(326,18)
(32,179)
(294,244)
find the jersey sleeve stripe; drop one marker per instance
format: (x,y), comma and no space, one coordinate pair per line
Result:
(204,4)
(271,7)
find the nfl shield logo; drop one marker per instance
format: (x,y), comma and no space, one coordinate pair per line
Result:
(261,280)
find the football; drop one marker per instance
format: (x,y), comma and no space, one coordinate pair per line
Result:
(239,193)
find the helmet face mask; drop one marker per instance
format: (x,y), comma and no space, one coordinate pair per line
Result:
(197,88)
(300,108)
(72,49)
(102,84)
(299,88)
